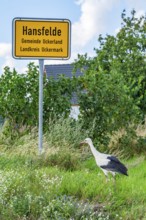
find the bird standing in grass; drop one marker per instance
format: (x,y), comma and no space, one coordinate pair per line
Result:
(107,163)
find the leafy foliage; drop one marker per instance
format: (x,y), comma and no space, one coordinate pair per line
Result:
(105,104)
(19,97)
(57,97)
(125,52)
(112,92)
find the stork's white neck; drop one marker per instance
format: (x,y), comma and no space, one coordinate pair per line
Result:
(94,151)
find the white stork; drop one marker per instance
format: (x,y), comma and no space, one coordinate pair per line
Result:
(107,163)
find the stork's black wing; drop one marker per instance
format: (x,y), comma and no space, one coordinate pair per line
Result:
(115,165)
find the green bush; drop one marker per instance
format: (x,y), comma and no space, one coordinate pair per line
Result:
(19,94)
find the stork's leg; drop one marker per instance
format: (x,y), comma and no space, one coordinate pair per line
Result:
(114,176)
(114,180)
(107,178)
(106,174)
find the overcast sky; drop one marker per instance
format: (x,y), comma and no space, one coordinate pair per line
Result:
(89,18)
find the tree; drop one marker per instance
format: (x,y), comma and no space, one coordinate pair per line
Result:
(105,104)
(57,98)
(114,84)
(19,95)
(11,93)
(125,53)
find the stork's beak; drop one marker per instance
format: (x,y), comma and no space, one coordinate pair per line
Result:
(83,142)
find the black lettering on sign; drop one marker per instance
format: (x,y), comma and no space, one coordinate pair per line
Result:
(41,31)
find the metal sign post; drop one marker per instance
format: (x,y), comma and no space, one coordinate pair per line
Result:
(41,68)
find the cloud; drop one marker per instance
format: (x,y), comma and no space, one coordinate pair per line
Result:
(92,20)
(5,49)
(5,54)
(8,60)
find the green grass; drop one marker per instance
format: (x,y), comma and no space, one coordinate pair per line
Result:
(31,191)
(64,182)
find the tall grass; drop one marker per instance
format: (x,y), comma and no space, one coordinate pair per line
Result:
(61,144)
(64,182)
(129,142)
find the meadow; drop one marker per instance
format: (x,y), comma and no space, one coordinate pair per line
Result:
(64,182)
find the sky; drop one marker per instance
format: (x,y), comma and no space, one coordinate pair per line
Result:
(89,19)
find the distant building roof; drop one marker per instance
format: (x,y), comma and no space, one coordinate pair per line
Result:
(67,70)
(57,69)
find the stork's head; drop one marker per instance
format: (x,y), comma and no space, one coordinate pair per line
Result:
(87,141)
